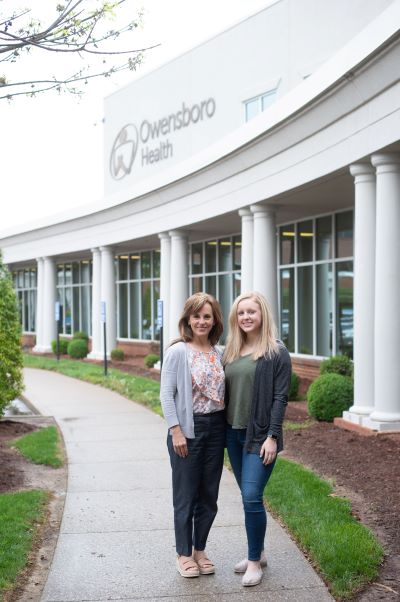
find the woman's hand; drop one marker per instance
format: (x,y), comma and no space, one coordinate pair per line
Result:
(179,441)
(268,450)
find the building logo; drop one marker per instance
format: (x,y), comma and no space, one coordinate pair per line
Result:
(152,137)
(123,152)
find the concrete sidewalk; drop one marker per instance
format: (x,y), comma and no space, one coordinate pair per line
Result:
(116,540)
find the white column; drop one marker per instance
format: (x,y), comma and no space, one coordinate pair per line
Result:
(109,297)
(247,250)
(39,306)
(265,279)
(386,415)
(165,280)
(364,291)
(96,352)
(179,286)
(49,326)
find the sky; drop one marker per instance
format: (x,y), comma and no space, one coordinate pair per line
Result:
(51,146)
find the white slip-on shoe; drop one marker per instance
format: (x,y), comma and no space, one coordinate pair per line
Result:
(252,577)
(241,567)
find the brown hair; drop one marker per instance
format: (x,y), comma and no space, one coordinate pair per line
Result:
(194,304)
(267,344)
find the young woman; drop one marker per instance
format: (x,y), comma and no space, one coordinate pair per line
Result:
(257,380)
(192,399)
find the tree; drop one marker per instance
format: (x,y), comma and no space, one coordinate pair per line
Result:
(76,28)
(11,383)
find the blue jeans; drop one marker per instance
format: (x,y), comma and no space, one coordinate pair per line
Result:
(251,476)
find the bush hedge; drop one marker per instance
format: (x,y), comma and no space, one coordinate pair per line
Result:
(77,349)
(79,334)
(338,364)
(151,359)
(294,386)
(117,355)
(329,395)
(63,346)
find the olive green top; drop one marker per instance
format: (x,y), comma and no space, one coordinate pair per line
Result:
(239,379)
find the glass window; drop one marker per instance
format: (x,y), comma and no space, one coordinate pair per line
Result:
(156,263)
(344,234)
(68,310)
(146,311)
(123,310)
(305,237)
(324,309)
(211,256)
(197,258)
(225,255)
(225,299)
(123,267)
(252,108)
(324,237)
(26,279)
(76,305)
(68,274)
(268,99)
(85,273)
(21,279)
(26,310)
(134,308)
(237,284)
(156,296)
(75,273)
(85,309)
(287,308)
(344,307)
(211,285)
(33,279)
(305,309)
(146,264)
(135,266)
(237,252)
(60,275)
(286,240)
(197,284)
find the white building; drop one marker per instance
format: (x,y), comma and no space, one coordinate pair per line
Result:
(266,158)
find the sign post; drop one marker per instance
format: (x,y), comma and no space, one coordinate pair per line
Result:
(103,320)
(160,324)
(57,316)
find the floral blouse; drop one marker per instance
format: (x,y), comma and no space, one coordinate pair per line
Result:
(208,381)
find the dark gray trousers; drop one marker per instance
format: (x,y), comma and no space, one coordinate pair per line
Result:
(195,482)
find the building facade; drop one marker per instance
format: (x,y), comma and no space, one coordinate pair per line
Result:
(266,158)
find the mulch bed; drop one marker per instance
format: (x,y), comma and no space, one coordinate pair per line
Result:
(365,469)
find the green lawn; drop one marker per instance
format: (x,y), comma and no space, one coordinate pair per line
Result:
(41,447)
(20,515)
(346,553)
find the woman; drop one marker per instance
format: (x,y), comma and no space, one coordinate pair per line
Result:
(192,399)
(257,380)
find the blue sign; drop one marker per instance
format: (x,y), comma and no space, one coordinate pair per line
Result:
(103,311)
(57,311)
(160,313)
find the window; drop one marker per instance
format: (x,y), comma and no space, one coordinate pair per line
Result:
(74,292)
(215,269)
(254,106)
(138,289)
(25,283)
(316,285)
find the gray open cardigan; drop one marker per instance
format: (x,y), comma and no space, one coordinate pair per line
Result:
(176,389)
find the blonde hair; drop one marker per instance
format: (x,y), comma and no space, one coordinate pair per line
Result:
(266,344)
(194,304)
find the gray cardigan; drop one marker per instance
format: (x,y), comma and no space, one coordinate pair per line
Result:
(176,389)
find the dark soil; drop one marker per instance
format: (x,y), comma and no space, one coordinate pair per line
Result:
(365,469)
(12,473)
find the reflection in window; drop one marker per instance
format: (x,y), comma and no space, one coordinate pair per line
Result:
(324,309)
(324,237)
(25,283)
(344,234)
(74,294)
(305,309)
(286,240)
(134,308)
(344,307)
(287,308)
(211,256)
(305,236)
(123,310)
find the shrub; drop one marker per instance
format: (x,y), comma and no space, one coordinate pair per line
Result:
(117,355)
(338,364)
(294,386)
(151,359)
(11,384)
(79,334)
(77,348)
(329,395)
(63,346)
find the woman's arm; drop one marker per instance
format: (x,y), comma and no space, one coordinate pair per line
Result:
(281,374)
(168,388)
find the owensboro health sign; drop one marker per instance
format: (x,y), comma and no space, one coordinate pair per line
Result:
(150,137)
